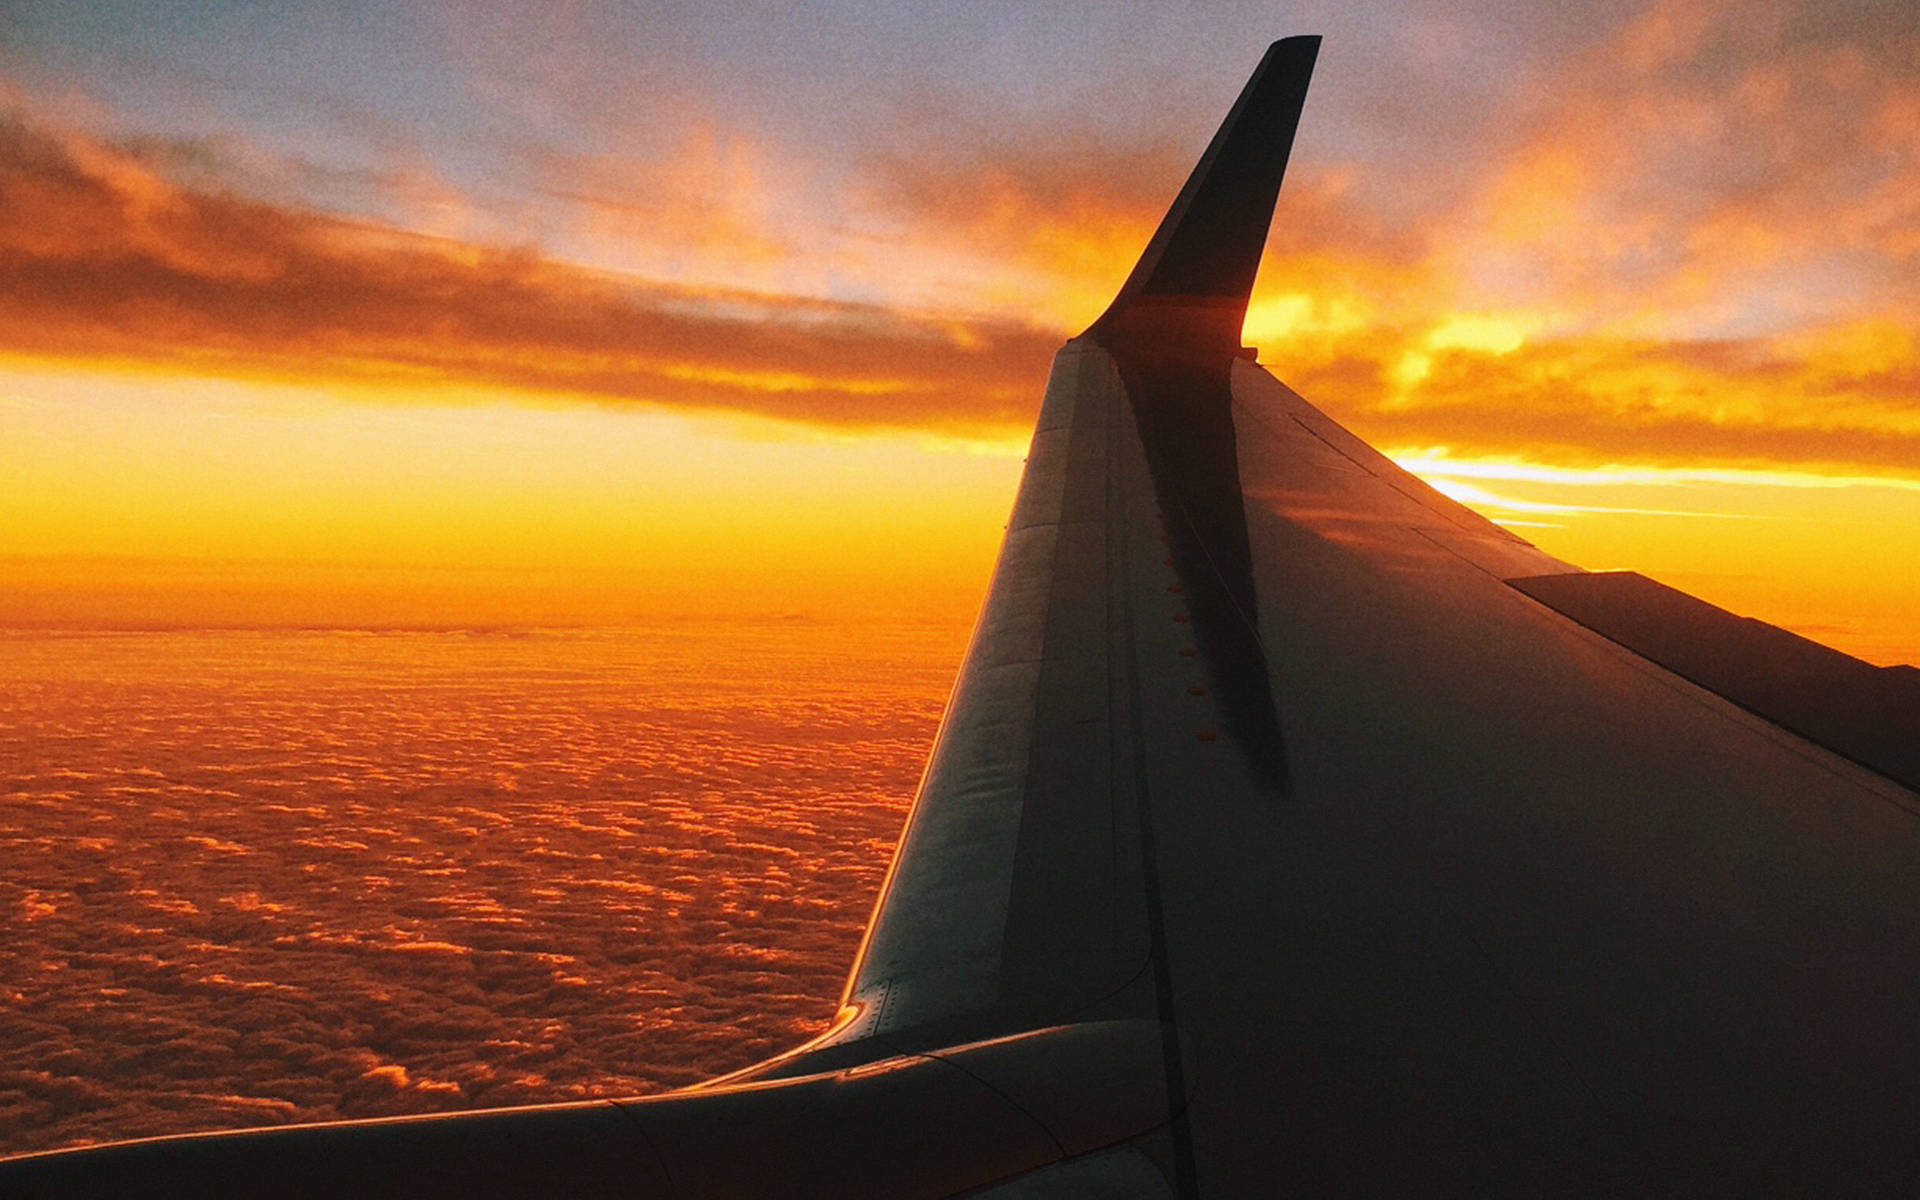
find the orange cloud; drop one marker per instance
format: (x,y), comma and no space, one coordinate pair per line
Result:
(1050,222)
(1601,399)
(709,208)
(104,256)
(1714,167)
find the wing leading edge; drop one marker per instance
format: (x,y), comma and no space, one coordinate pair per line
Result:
(1274,838)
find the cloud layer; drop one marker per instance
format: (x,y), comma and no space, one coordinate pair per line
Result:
(253,879)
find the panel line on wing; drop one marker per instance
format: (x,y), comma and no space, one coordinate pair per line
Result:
(1185,1170)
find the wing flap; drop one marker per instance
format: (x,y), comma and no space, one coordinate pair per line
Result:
(1866,713)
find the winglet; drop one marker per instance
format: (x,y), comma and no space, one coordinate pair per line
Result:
(1200,265)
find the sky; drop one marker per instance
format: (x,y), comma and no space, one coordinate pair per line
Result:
(460,313)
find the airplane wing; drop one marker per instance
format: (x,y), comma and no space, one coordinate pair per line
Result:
(1293,828)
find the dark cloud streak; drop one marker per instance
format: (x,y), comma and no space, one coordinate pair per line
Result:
(104,256)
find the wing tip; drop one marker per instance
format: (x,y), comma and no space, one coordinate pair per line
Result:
(1206,251)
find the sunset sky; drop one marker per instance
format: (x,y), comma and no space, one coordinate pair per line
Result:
(452,313)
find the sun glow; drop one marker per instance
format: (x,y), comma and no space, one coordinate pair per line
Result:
(128,497)
(1832,556)
(1430,462)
